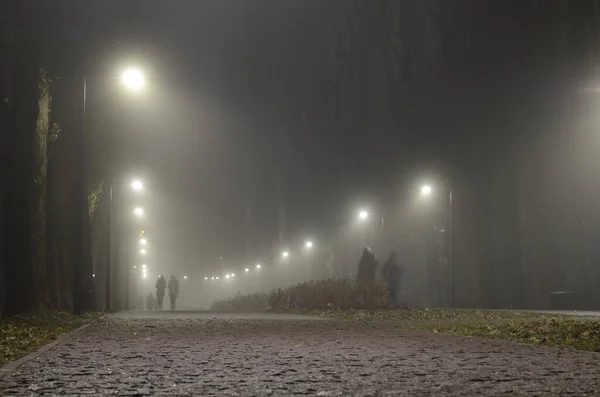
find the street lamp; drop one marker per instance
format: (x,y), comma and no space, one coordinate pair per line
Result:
(309,244)
(185,277)
(285,254)
(139,211)
(246,270)
(206,278)
(426,190)
(143,241)
(143,251)
(232,274)
(363,215)
(133,79)
(258,266)
(137,185)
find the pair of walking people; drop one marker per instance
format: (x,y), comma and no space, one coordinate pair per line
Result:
(391,272)
(161,286)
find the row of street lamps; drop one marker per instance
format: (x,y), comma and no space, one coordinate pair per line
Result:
(363,215)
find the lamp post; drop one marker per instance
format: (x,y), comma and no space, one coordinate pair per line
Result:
(133,79)
(426,191)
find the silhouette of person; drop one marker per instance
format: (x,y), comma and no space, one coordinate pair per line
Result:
(150,301)
(161,285)
(173,291)
(367,267)
(392,275)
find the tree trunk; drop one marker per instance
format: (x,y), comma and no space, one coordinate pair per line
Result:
(39,191)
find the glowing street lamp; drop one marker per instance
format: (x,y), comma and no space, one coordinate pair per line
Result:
(143,251)
(185,277)
(426,190)
(212,278)
(232,274)
(144,267)
(139,211)
(246,270)
(285,254)
(227,276)
(133,79)
(363,215)
(143,241)
(138,186)
(308,245)
(258,266)
(216,278)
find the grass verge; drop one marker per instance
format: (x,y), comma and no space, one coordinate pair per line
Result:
(525,327)
(20,335)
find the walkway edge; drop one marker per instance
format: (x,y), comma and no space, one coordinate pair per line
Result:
(12,366)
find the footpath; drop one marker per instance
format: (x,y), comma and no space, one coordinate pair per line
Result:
(204,353)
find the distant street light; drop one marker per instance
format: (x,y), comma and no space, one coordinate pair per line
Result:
(144,266)
(143,251)
(309,244)
(212,278)
(426,190)
(232,274)
(133,79)
(227,276)
(258,266)
(216,278)
(206,278)
(285,254)
(246,270)
(139,211)
(185,277)
(138,186)
(363,215)
(143,241)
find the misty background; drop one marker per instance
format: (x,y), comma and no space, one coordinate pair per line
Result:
(267,123)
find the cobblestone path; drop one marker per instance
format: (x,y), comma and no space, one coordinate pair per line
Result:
(259,357)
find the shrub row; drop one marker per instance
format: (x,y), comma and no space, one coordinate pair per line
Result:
(339,294)
(250,302)
(329,295)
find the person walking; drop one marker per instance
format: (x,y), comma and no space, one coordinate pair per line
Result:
(392,275)
(173,291)
(367,267)
(150,302)
(161,285)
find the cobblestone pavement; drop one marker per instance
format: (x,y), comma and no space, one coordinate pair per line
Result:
(238,357)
